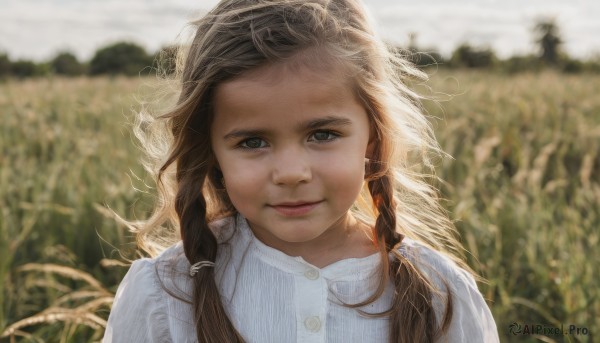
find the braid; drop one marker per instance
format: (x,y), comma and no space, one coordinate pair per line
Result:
(382,192)
(412,315)
(200,244)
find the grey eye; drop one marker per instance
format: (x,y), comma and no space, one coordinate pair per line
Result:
(253,143)
(324,136)
(321,136)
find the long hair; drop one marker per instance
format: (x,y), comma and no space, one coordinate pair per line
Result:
(397,201)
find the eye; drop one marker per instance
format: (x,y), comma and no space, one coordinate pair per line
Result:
(253,143)
(324,136)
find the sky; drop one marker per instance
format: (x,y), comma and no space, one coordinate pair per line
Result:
(39,29)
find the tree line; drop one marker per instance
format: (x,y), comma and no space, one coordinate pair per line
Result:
(127,58)
(549,55)
(121,58)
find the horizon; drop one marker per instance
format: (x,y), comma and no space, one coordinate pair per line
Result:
(39,31)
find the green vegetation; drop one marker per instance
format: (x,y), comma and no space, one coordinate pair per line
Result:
(66,63)
(524,188)
(66,152)
(525,191)
(120,58)
(548,38)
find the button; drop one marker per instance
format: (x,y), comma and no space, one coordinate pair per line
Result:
(313,324)
(312,274)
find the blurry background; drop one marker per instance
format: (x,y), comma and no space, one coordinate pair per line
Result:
(515,86)
(39,29)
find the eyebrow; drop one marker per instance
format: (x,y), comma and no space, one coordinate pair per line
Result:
(308,125)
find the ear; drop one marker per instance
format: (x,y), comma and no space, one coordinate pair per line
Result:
(372,142)
(370,149)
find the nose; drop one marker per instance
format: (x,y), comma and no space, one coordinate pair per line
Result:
(291,167)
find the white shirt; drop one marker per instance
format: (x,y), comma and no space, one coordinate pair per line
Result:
(273,297)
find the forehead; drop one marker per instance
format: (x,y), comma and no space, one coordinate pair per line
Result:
(277,86)
(312,65)
(266,82)
(285,100)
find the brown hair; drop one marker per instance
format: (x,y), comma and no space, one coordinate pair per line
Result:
(240,35)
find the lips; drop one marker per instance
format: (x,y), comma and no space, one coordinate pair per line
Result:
(292,209)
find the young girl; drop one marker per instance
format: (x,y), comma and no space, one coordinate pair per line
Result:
(292,168)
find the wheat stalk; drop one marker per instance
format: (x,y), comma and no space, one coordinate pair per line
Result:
(94,304)
(52,315)
(24,334)
(69,272)
(79,295)
(106,263)
(48,284)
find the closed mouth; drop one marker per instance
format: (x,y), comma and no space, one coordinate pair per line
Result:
(295,209)
(295,204)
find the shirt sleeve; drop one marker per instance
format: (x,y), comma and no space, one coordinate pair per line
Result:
(472,320)
(139,311)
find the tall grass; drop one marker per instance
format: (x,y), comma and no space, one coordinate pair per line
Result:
(65,150)
(524,189)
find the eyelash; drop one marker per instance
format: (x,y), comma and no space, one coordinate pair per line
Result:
(334,135)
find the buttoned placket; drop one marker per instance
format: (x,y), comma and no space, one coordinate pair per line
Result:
(311,306)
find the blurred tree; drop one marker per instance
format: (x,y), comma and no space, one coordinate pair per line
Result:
(120,58)
(65,63)
(470,57)
(4,65)
(23,68)
(572,66)
(548,38)
(517,64)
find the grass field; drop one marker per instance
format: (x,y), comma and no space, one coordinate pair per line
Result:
(524,189)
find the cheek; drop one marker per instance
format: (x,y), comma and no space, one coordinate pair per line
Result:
(243,182)
(344,175)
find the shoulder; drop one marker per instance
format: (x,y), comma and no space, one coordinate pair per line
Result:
(436,266)
(139,311)
(152,301)
(472,320)
(139,282)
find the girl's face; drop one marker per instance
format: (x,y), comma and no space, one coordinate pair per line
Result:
(291,144)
